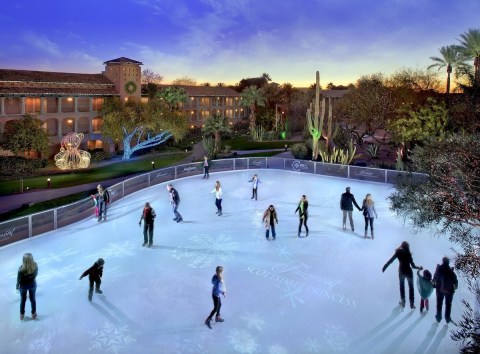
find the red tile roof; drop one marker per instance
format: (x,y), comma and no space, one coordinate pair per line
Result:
(12,75)
(58,91)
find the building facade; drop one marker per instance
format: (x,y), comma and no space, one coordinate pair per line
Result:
(71,102)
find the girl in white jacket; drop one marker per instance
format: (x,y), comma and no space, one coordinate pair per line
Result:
(218,197)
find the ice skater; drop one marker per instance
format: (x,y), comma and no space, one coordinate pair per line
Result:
(175,201)
(346,205)
(405,265)
(148,217)
(446,283)
(255,181)
(303,214)
(369,212)
(95,273)
(26,282)
(206,166)
(217,290)
(269,220)
(103,201)
(218,197)
(425,288)
(95,204)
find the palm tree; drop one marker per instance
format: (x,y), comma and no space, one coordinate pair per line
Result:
(251,98)
(470,47)
(266,77)
(451,58)
(216,125)
(173,97)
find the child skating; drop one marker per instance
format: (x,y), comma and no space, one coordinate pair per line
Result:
(425,288)
(217,290)
(95,273)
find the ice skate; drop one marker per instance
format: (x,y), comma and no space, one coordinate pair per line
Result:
(220,214)
(219,319)
(344,227)
(179,220)
(402,303)
(144,244)
(22,317)
(34,316)
(448,319)
(208,322)
(438,317)
(149,246)
(98,291)
(412,306)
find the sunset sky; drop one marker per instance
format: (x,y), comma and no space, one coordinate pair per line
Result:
(227,40)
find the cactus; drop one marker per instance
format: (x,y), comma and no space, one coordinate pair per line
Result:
(399,165)
(372,150)
(315,119)
(341,156)
(258,133)
(209,145)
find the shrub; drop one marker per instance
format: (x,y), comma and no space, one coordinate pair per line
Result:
(299,151)
(101,156)
(13,166)
(270,135)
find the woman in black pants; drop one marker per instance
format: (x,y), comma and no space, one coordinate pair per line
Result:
(217,290)
(303,214)
(27,273)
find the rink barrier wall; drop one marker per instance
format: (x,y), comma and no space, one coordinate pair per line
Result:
(35,224)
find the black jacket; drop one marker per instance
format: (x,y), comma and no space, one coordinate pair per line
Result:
(94,272)
(405,260)
(445,279)
(24,279)
(305,209)
(347,200)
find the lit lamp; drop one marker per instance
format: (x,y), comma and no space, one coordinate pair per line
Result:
(153,165)
(286,147)
(49,183)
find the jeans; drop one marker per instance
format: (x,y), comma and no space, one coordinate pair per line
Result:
(349,212)
(218,203)
(303,220)
(409,277)
(175,212)
(367,220)
(448,304)
(254,193)
(205,169)
(31,289)
(102,210)
(217,304)
(97,282)
(272,226)
(148,233)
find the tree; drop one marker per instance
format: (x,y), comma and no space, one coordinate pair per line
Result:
(451,59)
(446,200)
(206,84)
(141,125)
(26,135)
(220,84)
(151,77)
(216,125)
(185,80)
(470,48)
(266,77)
(417,124)
(251,98)
(173,97)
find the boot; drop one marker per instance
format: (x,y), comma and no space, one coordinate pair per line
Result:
(208,322)
(438,317)
(365,234)
(22,317)
(98,291)
(402,303)
(412,306)
(344,227)
(34,316)
(372,235)
(426,304)
(218,319)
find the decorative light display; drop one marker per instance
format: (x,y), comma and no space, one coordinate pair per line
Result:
(70,156)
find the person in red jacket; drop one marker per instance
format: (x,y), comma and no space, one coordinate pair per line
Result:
(148,216)
(95,273)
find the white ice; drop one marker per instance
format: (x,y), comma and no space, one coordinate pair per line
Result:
(321,294)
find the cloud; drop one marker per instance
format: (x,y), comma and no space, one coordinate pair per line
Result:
(42,43)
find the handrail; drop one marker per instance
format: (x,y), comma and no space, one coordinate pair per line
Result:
(34,224)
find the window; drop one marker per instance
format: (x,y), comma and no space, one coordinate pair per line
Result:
(205,101)
(32,105)
(229,101)
(97,103)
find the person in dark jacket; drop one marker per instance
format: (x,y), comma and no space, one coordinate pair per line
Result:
(346,205)
(103,200)
(446,283)
(217,290)
(255,181)
(26,282)
(206,166)
(303,214)
(175,202)
(148,216)
(405,265)
(95,273)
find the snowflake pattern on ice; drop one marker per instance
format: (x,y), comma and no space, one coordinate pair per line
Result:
(206,250)
(57,257)
(291,294)
(253,321)
(277,349)
(283,251)
(313,346)
(63,273)
(336,338)
(113,250)
(110,338)
(37,339)
(187,345)
(242,342)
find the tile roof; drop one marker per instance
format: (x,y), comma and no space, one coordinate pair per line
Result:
(199,91)
(12,75)
(122,60)
(58,91)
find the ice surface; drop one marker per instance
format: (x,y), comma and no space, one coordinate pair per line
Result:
(321,294)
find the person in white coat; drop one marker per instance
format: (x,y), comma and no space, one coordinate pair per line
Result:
(218,197)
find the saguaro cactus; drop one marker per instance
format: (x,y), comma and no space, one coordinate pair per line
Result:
(315,119)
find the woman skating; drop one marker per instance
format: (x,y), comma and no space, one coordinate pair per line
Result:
(218,197)
(303,214)
(26,282)
(269,219)
(217,290)
(369,213)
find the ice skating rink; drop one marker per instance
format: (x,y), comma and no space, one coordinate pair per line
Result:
(321,294)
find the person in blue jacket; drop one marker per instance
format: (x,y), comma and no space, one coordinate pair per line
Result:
(425,288)
(217,290)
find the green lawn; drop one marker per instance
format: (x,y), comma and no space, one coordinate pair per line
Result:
(260,154)
(244,143)
(114,170)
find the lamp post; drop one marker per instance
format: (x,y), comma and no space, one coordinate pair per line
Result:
(21,185)
(153,165)
(49,183)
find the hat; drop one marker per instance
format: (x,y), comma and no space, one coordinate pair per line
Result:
(100,261)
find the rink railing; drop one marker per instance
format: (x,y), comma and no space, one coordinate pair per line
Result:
(32,225)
